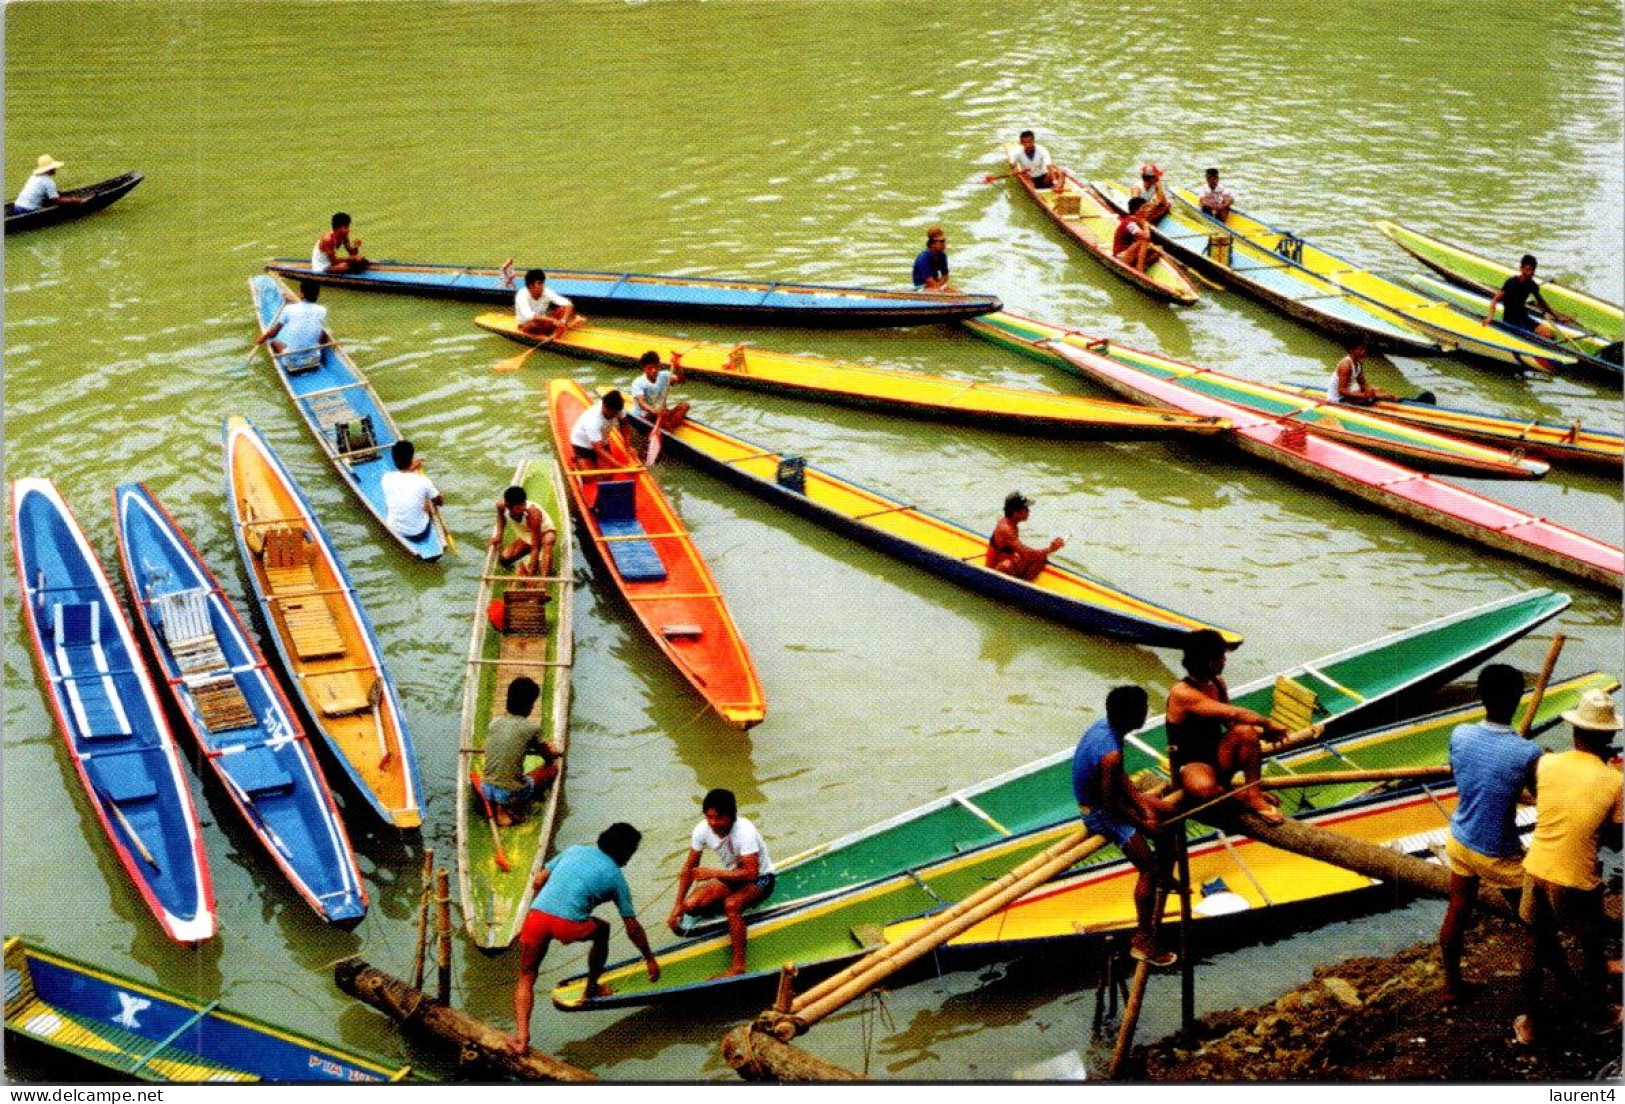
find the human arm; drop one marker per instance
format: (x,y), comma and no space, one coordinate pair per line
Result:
(748,870)
(1489,311)
(634,932)
(1192,702)
(502,517)
(1122,797)
(685,881)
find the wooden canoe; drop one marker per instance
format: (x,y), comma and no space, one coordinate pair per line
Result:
(495,900)
(245,728)
(333,399)
(1384,483)
(1093,224)
(1454,332)
(1458,265)
(915,394)
(101,194)
(1588,350)
(1260,274)
(925,540)
(695,297)
(642,544)
(109,713)
(1359,686)
(822,935)
(85,1013)
(322,635)
(1570,444)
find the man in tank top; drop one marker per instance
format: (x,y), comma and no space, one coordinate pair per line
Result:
(524,534)
(1209,739)
(1348,383)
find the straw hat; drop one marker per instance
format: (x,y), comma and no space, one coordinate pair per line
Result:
(46,163)
(1595,712)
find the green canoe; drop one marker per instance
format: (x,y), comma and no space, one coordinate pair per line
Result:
(822,935)
(494,899)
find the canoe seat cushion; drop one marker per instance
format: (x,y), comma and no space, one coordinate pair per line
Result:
(792,474)
(616,510)
(1295,705)
(258,772)
(77,623)
(123,779)
(340,693)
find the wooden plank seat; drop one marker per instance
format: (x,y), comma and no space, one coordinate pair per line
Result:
(286,560)
(92,696)
(331,410)
(258,773)
(341,692)
(1294,705)
(221,705)
(526,611)
(183,617)
(615,508)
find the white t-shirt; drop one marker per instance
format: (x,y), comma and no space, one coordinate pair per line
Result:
(302,327)
(743,840)
(652,391)
(1214,198)
(40,188)
(1037,165)
(406,501)
(591,427)
(525,308)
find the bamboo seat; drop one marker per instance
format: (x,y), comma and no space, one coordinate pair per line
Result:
(184,619)
(1295,705)
(526,612)
(332,410)
(340,693)
(221,705)
(286,559)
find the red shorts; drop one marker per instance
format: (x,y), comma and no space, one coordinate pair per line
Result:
(542,926)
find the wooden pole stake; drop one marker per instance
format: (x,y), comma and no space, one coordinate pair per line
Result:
(442,894)
(423,918)
(1187,971)
(1540,684)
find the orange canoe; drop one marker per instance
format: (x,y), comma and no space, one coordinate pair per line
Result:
(641,543)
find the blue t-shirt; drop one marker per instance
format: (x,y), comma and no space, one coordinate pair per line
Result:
(1492,764)
(1097,743)
(579,879)
(929,264)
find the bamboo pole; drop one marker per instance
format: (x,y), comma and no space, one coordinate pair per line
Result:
(1332,778)
(1540,684)
(442,894)
(787,988)
(423,918)
(411,1006)
(1131,1019)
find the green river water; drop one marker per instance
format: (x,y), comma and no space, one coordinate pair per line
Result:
(803,141)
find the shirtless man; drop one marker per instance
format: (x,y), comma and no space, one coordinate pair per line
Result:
(1156,200)
(523,532)
(1005,552)
(325,256)
(1208,738)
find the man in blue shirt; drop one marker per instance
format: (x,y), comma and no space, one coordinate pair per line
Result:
(566,890)
(931,266)
(1113,807)
(1492,765)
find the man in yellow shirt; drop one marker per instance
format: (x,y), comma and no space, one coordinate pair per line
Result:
(1577,794)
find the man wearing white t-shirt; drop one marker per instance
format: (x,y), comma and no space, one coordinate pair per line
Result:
(409,498)
(1034,160)
(538,309)
(299,333)
(589,436)
(745,877)
(1215,198)
(41,190)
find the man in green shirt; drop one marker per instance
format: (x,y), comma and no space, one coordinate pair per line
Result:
(507,741)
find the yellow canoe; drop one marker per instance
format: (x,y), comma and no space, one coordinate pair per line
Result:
(887,389)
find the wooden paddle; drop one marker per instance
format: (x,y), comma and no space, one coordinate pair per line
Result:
(651,452)
(513,363)
(129,830)
(500,855)
(445,534)
(375,694)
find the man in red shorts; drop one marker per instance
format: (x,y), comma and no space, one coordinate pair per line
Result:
(567,889)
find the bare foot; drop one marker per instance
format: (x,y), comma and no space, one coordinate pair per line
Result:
(518,1043)
(732,971)
(593,992)
(1268,813)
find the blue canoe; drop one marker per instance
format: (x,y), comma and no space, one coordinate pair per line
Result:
(108,712)
(346,417)
(693,297)
(244,726)
(82,1011)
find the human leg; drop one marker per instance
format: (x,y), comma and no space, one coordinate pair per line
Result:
(1150,867)
(1241,750)
(704,896)
(597,956)
(1457,915)
(515,552)
(531,952)
(733,907)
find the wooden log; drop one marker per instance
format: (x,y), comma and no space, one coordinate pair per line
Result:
(758,1056)
(423,918)
(442,893)
(1364,858)
(413,1007)
(786,994)
(1131,1019)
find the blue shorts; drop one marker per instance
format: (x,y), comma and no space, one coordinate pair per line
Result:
(765,883)
(499,796)
(1102,823)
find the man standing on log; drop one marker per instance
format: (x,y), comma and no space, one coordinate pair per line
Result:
(567,889)
(1113,807)
(1492,765)
(1579,793)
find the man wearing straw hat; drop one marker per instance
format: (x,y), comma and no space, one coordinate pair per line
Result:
(41,190)
(1577,797)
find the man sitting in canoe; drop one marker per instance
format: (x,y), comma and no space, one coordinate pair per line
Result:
(1114,808)
(539,310)
(1005,552)
(1349,385)
(410,499)
(1131,244)
(651,390)
(744,878)
(1215,198)
(1033,161)
(41,191)
(508,740)
(1514,298)
(325,256)
(931,266)
(300,330)
(524,532)
(566,890)
(1209,739)
(590,436)
(1156,200)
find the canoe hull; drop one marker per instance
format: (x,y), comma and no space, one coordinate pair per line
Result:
(266,767)
(642,296)
(97,196)
(133,781)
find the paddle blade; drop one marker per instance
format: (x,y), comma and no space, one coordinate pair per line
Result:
(651,452)
(513,363)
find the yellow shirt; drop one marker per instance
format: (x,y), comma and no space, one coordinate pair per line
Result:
(1575,794)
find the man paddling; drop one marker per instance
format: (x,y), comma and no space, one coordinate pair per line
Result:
(41,191)
(1514,298)
(324,257)
(508,739)
(541,311)
(931,266)
(567,889)
(1492,765)
(1131,243)
(524,534)
(1348,383)
(745,877)
(651,391)
(1005,552)
(1033,161)
(1113,807)
(1209,739)
(299,333)
(410,499)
